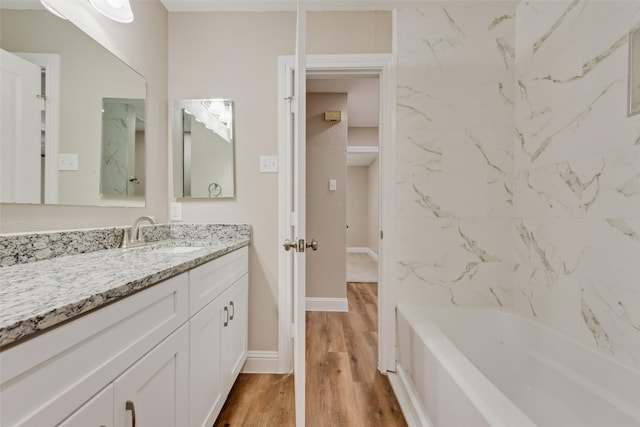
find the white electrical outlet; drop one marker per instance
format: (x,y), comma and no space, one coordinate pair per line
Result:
(175,211)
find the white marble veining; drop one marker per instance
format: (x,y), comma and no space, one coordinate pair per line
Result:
(38,295)
(455,111)
(576,163)
(118,132)
(518,180)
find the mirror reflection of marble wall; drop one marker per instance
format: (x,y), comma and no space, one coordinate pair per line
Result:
(88,74)
(123,123)
(203,148)
(634,73)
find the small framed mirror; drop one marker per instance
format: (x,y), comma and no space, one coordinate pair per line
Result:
(634,72)
(203,148)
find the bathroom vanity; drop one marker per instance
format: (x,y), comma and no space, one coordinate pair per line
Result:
(151,336)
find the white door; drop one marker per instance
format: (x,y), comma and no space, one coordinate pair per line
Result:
(294,170)
(20,119)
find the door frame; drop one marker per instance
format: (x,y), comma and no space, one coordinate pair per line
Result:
(50,64)
(382,65)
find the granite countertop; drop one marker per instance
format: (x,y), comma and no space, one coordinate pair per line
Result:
(39,295)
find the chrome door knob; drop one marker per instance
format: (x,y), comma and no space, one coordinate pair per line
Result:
(288,245)
(313,244)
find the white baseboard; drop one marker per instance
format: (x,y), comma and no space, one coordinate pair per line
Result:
(358,250)
(326,304)
(261,362)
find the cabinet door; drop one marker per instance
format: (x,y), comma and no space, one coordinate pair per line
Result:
(234,336)
(97,412)
(153,392)
(205,382)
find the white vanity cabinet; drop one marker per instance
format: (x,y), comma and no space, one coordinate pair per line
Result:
(96,412)
(47,378)
(147,356)
(153,392)
(234,332)
(218,334)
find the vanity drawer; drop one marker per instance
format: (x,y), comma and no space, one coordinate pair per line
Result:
(209,280)
(46,378)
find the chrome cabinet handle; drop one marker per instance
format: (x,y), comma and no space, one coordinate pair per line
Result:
(233,310)
(129,406)
(226,313)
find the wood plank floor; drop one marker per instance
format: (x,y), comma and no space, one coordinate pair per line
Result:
(344,387)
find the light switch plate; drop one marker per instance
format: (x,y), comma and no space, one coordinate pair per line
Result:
(68,161)
(332,185)
(273,163)
(264,164)
(268,164)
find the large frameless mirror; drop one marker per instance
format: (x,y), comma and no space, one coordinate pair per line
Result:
(72,119)
(203,148)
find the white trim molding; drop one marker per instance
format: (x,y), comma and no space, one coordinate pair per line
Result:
(262,362)
(359,250)
(326,304)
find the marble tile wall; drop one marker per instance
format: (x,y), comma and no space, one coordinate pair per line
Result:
(577,173)
(117,135)
(518,168)
(455,108)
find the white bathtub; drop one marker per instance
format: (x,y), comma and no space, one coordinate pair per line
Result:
(483,367)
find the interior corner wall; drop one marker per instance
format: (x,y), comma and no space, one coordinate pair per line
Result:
(576,163)
(357,206)
(148,56)
(373,207)
(326,268)
(455,92)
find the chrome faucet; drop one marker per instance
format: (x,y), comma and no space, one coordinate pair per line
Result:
(135,238)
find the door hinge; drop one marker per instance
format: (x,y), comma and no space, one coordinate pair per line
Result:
(293,104)
(381,235)
(292,330)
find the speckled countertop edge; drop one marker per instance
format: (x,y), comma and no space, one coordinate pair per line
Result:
(37,296)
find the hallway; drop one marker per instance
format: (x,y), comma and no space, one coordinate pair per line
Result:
(344,387)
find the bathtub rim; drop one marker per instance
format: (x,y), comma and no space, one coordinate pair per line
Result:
(489,401)
(421,314)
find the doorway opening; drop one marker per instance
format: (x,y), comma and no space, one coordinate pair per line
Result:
(357,166)
(380,67)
